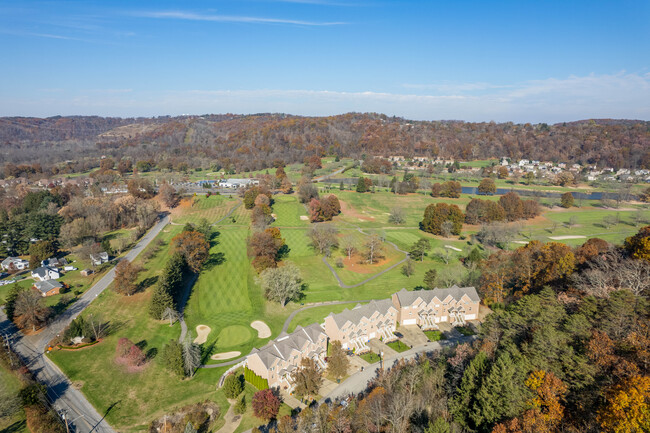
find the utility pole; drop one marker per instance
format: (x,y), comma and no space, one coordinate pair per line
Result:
(65,419)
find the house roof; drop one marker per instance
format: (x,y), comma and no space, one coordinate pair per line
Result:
(359,312)
(10,260)
(286,344)
(408,298)
(43,271)
(46,286)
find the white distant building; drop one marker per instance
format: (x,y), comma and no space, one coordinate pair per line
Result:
(14,263)
(237,183)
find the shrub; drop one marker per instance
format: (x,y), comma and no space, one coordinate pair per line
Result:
(240,407)
(233,385)
(255,380)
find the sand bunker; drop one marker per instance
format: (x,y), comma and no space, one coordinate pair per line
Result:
(304,217)
(224,355)
(202,332)
(263,331)
(453,248)
(559,238)
(521,242)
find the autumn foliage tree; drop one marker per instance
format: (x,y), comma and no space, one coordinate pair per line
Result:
(638,246)
(266,404)
(487,186)
(324,209)
(194,247)
(266,248)
(125,275)
(627,407)
(435,216)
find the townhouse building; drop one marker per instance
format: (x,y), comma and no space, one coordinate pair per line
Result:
(279,358)
(428,308)
(355,327)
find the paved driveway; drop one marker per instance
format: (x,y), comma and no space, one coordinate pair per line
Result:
(412,335)
(379,346)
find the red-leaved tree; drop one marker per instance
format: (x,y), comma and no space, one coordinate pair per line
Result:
(266,404)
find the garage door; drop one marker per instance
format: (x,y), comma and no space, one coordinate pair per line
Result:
(410,322)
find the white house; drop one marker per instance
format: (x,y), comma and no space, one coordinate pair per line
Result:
(98,259)
(14,264)
(45,273)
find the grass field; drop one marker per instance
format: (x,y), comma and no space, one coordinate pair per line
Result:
(15,423)
(370,357)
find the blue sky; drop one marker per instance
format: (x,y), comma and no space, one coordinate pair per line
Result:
(521,61)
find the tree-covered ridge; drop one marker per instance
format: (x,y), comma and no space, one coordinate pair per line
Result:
(252,142)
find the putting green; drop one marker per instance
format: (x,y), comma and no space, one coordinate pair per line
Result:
(233,335)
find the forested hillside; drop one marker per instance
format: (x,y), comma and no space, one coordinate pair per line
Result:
(254,141)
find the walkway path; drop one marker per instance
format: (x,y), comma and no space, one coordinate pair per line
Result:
(378,274)
(31,349)
(232,420)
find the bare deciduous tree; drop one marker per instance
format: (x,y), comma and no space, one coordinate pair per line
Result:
(324,238)
(374,247)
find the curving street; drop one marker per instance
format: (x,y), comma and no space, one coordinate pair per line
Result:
(62,395)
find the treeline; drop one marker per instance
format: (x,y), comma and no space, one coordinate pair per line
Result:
(247,143)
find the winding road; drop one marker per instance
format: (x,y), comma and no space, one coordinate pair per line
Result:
(31,350)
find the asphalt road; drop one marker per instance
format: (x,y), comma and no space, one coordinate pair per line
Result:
(359,381)
(63,396)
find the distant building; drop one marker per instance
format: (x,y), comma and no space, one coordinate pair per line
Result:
(86,272)
(100,258)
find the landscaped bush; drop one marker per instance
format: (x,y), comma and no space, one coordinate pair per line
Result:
(233,385)
(240,407)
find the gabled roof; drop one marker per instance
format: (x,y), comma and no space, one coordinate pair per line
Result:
(43,271)
(407,298)
(286,345)
(46,286)
(355,315)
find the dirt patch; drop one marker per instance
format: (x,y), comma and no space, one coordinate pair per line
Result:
(263,330)
(202,332)
(358,265)
(349,211)
(224,355)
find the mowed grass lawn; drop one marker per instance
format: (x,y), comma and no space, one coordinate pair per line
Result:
(12,385)
(213,208)
(227,299)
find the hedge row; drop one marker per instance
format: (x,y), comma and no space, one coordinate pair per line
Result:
(255,380)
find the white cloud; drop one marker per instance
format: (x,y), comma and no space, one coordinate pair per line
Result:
(621,95)
(192,16)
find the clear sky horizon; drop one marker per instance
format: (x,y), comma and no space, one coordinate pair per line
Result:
(520,61)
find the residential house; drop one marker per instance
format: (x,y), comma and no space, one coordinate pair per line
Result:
(98,259)
(14,264)
(427,308)
(279,358)
(45,273)
(48,287)
(354,328)
(53,262)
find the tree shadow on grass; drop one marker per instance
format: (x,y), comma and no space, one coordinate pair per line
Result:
(146,283)
(215,259)
(206,350)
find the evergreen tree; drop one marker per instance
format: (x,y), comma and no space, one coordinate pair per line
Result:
(361,185)
(461,405)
